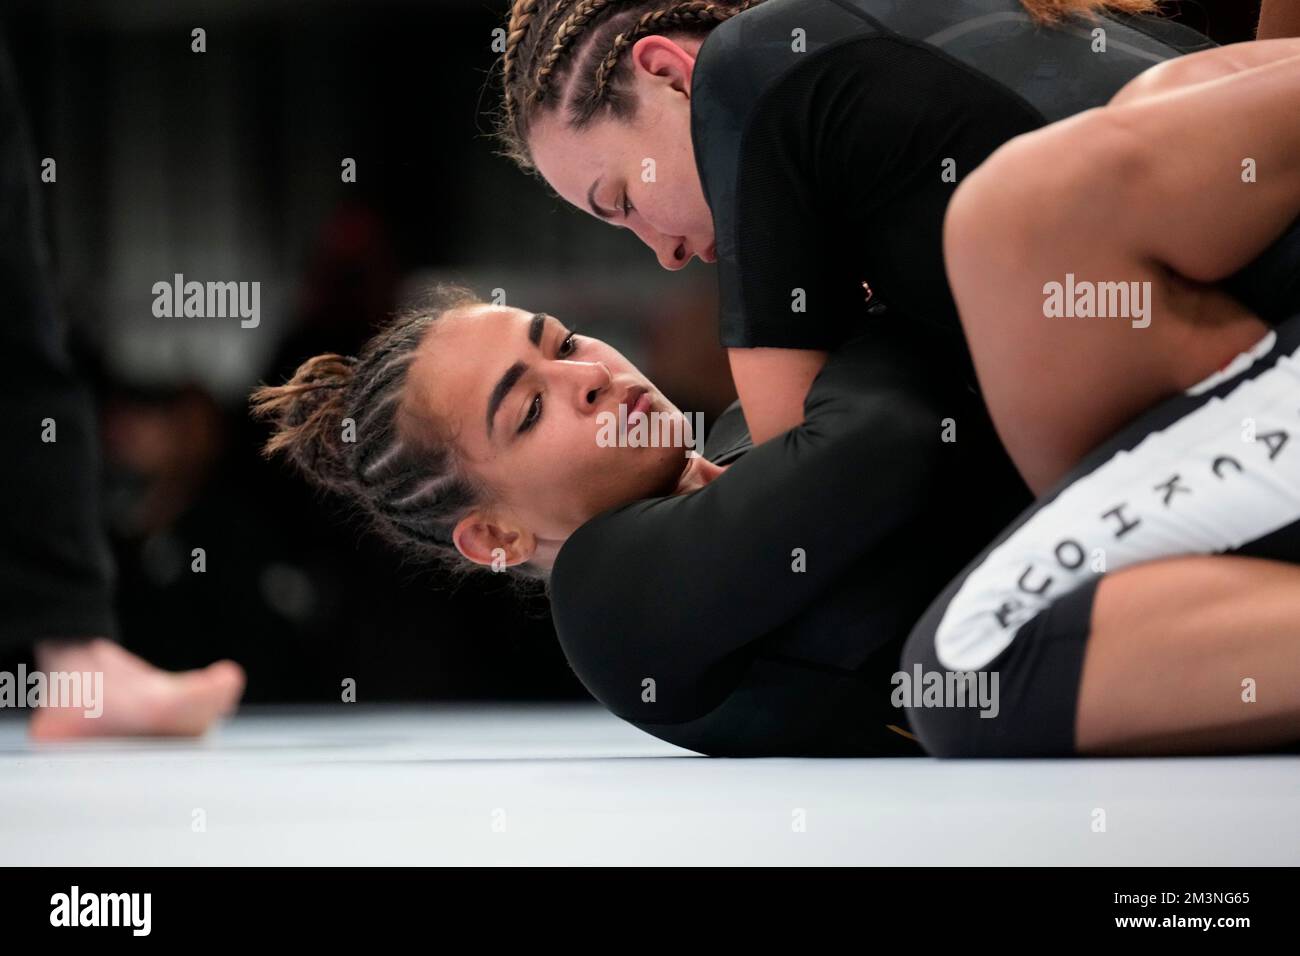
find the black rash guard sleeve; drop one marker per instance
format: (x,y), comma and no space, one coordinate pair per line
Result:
(664,589)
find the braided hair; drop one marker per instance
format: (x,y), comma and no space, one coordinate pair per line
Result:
(570,54)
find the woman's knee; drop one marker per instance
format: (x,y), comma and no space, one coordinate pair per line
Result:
(1039,202)
(1067,180)
(997,704)
(987,227)
(942,731)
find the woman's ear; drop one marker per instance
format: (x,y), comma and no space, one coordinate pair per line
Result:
(486,540)
(662,58)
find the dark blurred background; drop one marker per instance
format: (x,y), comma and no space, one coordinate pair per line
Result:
(225,166)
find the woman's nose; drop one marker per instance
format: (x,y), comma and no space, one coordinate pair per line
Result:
(669,250)
(591,380)
(672,256)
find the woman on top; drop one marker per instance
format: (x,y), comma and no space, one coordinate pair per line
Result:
(811,148)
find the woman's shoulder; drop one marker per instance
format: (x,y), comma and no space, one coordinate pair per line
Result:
(992,49)
(786,76)
(745,56)
(623,609)
(593,583)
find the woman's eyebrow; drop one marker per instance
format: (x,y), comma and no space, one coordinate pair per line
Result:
(515,372)
(535,327)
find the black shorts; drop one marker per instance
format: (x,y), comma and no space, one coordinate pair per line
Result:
(993,668)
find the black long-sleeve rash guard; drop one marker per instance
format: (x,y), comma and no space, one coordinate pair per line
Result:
(830,135)
(764,613)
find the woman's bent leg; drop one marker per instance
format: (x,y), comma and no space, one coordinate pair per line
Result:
(1123,612)
(1080,256)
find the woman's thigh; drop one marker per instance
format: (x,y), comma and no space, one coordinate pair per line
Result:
(1072,327)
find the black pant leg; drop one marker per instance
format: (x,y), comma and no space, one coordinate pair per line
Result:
(55,567)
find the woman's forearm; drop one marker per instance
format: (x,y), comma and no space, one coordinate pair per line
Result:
(773,385)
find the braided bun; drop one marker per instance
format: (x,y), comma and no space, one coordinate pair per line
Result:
(308,413)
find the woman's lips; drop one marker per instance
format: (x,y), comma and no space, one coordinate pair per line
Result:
(640,407)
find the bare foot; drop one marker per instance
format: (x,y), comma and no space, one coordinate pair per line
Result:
(138,698)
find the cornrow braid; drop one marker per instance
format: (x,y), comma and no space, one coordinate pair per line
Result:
(547,40)
(693,14)
(521,15)
(559,7)
(568,31)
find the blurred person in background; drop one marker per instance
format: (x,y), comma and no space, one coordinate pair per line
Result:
(56,573)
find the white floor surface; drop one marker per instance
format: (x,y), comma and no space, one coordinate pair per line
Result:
(569,784)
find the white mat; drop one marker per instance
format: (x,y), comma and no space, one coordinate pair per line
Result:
(492,784)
